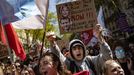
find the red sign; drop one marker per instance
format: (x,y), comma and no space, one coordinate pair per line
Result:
(86,36)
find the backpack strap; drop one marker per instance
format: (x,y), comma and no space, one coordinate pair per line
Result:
(90,65)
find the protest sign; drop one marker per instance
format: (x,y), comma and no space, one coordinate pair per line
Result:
(86,36)
(76,16)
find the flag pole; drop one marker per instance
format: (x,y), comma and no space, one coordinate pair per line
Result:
(44,34)
(43,7)
(8,48)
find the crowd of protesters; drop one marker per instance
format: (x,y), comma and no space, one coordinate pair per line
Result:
(107,57)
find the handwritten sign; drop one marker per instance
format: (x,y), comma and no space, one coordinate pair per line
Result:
(76,16)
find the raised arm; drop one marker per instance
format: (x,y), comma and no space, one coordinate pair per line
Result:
(105,51)
(54,47)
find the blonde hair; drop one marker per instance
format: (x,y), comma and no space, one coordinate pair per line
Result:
(106,64)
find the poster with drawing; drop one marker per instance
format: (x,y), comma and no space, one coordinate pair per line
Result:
(76,16)
(86,36)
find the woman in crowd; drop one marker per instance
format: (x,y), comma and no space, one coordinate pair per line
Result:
(50,64)
(111,67)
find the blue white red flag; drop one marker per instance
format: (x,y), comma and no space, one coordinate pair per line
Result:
(100,17)
(13,10)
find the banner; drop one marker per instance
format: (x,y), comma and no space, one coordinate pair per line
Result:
(13,40)
(122,23)
(33,22)
(2,35)
(43,7)
(76,16)
(100,18)
(13,10)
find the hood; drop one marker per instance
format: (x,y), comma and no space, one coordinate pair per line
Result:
(74,43)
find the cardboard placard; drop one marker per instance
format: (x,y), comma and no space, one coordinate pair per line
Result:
(76,16)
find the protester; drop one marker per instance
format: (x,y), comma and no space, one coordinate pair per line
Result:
(24,70)
(50,64)
(111,67)
(120,51)
(30,71)
(65,52)
(79,61)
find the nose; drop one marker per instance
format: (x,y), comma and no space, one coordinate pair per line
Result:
(120,71)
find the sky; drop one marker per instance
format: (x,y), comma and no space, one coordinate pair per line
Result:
(52,5)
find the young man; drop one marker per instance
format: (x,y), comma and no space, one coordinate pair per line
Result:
(79,61)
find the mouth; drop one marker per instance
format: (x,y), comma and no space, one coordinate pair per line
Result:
(45,73)
(78,55)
